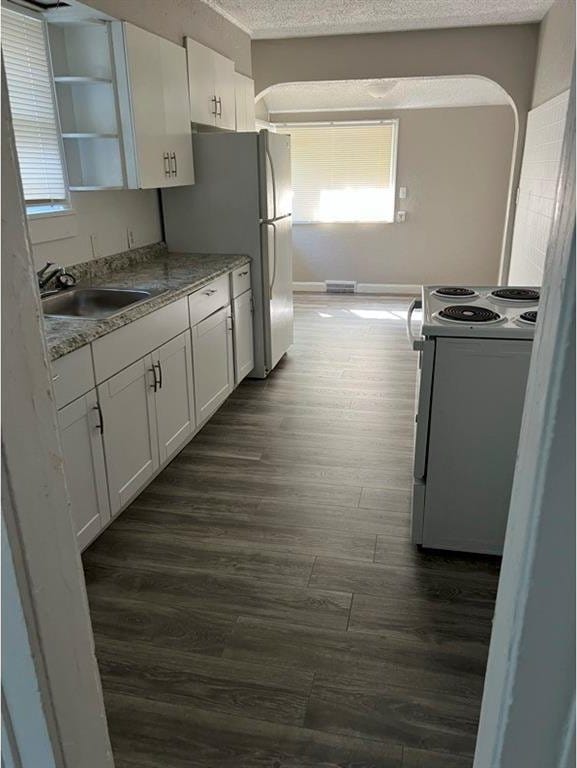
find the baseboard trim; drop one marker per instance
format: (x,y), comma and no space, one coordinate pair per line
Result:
(395,288)
(309,287)
(386,288)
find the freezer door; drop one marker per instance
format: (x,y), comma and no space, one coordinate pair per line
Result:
(277,288)
(275,165)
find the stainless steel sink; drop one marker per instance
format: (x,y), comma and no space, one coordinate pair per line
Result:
(92,303)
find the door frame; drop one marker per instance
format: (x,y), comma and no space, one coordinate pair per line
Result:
(36,514)
(528,709)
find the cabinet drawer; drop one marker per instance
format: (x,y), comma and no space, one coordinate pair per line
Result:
(72,376)
(120,348)
(240,280)
(209,299)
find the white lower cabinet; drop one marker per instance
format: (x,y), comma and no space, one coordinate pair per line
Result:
(174,397)
(129,431)
(80,425)
(243,338)
(213,361)
(117,436)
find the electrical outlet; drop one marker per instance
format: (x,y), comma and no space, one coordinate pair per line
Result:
(401,217)
(130,238)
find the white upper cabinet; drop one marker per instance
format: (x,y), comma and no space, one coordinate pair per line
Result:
(177,112)
(212,87)
(156,108)
(123,105)
(244,98)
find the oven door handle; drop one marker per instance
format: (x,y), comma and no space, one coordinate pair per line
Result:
(416,344)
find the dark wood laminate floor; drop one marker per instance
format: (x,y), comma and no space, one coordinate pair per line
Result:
(260,605)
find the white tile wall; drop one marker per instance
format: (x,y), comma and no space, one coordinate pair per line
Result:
(541,157)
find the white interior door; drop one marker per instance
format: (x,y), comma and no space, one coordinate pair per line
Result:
(174,396)
(130,436)
(84,467)
(537,190)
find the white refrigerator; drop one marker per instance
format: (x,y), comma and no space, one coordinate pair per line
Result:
(241,203)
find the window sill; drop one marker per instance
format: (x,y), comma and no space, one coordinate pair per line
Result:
(41,211)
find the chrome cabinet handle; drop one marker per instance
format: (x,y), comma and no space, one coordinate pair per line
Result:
(157,365)
(215,102)
(166,157)
(219,107)
(100,425)
(210,292)
(415,343)
(173,168)
(243,274)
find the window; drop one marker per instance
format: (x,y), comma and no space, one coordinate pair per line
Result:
(343,172)
(33,112)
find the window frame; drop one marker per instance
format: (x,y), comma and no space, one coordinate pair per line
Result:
(38,209)
(394,122)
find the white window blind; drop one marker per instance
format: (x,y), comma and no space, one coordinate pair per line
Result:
(343,172)
(32,106)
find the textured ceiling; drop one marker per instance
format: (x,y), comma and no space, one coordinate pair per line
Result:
(348,95)
(306,18)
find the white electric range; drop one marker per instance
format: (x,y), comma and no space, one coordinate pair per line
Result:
(474,348)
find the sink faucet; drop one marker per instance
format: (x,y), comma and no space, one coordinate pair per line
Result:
(64,279)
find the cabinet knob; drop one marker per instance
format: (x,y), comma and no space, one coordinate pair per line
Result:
(210,292)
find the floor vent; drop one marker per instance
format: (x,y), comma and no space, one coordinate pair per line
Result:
(341,286)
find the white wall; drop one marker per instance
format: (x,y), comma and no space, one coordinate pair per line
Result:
(455,164)
(97,227)
(555,53)
(537,188)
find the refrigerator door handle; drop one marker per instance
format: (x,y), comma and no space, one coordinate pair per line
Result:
(271,281)
(273,180)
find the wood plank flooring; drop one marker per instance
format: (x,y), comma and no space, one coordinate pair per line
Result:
(260,604)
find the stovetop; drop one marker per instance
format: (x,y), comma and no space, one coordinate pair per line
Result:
(475,312)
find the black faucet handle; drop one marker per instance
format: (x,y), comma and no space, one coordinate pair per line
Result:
(44,268)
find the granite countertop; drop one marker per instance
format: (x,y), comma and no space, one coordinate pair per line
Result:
(170,275)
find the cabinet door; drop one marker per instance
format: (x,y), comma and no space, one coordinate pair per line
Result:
(224,90)
(243,340)
(129,431)
(84,467)
(244,97)
(213,363)
(176,113)
(201,84)
(145,74)
(174,395)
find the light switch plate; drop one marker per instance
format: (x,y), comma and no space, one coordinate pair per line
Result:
(402,193)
